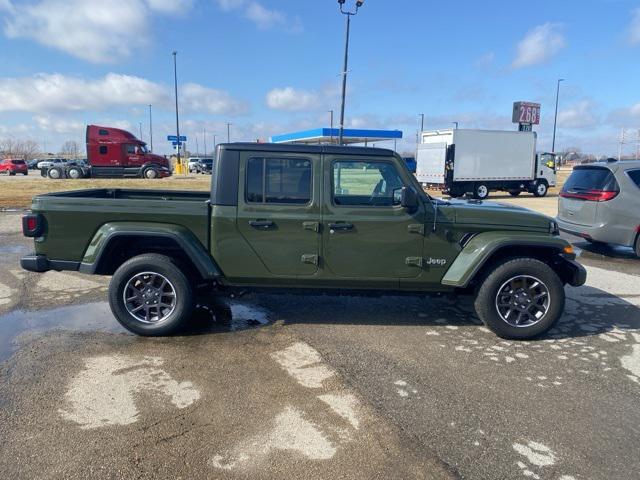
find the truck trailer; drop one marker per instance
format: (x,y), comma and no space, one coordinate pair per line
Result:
(112,153)
(461,161)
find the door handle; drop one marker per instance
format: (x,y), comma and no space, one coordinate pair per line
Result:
(341,226)
(264,224)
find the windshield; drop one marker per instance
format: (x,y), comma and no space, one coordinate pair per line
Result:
(207,161)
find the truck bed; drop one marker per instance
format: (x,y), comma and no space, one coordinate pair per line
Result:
(73,217)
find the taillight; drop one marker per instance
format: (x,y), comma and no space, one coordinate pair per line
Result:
(32,224)
(592,195)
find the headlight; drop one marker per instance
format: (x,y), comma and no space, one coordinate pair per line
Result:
(553,228)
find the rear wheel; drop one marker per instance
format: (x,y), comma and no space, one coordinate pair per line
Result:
(150,172)
(540,189)
(75,173)
(12,173)
(54,173)
(521,299)
(150,295)
(481,191)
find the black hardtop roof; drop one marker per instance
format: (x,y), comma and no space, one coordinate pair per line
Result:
(296,148)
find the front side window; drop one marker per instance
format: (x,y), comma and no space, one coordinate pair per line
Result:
(365,184)
(131,149)
(278,180)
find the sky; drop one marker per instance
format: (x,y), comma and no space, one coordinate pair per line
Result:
(273,66)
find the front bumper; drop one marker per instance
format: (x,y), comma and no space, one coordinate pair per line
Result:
(40,263)
(577,274)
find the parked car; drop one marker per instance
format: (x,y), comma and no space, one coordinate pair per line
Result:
(600,202)
(33,164)
(12,167)
(50,163)
(306,219)
(205,166)
(192,164)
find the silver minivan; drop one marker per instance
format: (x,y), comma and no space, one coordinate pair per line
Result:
(600,202)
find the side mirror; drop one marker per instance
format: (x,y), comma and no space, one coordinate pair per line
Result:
(408,198)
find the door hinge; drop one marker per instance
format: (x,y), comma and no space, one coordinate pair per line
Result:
(313,226)
(415,261)
(310,258)
(416,228)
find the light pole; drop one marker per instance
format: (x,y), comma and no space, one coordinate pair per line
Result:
(456,124)
(349,14)
(214,143)
(421,122)
(140,129)
(150,130)
(229,132)
(555,117)
(204,140)
(175,85)
(331,124)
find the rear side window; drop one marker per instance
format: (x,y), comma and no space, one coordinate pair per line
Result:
(278,180)
(103,150)
(635,176)
(591,178)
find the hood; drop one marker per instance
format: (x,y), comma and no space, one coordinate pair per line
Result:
(159,159)
(502,214)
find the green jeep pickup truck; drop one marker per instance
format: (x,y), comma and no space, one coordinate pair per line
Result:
(304,219)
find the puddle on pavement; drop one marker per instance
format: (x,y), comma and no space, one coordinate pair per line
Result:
(97,317)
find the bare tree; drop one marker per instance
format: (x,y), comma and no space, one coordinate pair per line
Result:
(23,149)
(70,148)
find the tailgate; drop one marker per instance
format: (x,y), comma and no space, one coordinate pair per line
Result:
(576,211)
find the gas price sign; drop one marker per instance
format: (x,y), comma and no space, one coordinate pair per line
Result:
(526,113)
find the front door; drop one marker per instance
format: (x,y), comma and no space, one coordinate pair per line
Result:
(366,233)
(279,210)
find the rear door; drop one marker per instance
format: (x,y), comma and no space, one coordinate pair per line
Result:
(367,235)
(582,193)
(279,210)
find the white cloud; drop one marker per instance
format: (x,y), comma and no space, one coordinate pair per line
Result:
(51,93)
(539,45)
(289,99)
(263,17)
(634,27)
(578,115)
(93,30)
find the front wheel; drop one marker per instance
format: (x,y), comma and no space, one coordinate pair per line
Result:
(521,299)
(481,191)
(150,173)
(151,296)
(540,190)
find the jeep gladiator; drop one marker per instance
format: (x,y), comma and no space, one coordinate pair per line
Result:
(304,219)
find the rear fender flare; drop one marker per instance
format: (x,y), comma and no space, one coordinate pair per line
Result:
(483,246)
(188,242)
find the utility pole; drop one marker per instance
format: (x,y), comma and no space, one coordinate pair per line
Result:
(331,124)
(555,118)
(456,124)
(150,130)
(229,132)
(204,140)
(140,130)
(175,84)
(349,14)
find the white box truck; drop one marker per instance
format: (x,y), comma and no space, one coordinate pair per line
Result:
(460,161)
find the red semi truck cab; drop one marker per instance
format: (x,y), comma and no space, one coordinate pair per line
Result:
(113,152)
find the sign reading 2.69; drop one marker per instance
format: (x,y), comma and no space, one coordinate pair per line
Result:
(526,113)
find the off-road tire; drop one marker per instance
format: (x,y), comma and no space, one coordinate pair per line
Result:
(486,297)
(165,266)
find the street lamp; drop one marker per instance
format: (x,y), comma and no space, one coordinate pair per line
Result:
(175,84)
(349,14)
(229,132)
(555,118)
(150,130)
(456,124)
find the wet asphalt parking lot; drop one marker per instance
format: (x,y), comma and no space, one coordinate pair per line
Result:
(284,386)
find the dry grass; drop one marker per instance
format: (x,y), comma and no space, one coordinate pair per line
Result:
(17,192)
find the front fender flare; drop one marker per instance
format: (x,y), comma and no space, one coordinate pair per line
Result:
(187,241)
(481,247)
